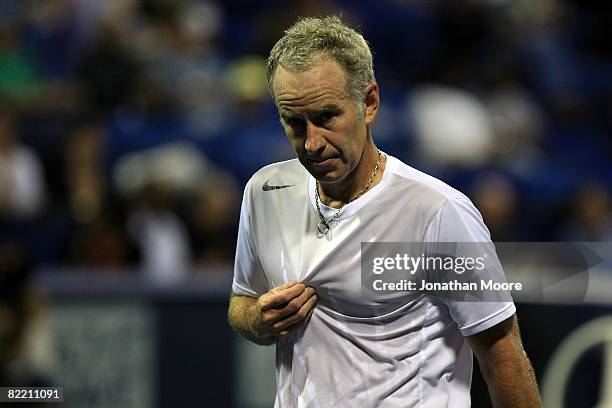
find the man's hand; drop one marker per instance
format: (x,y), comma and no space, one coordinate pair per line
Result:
(505,366)
(273,314)
(283,308)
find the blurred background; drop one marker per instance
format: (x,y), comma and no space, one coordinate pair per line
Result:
(128,129)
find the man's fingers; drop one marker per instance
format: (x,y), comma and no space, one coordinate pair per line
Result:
(284,286)
(274,315)
(286,331)
(289,308)
(278,297)
(295,304)
(299,316)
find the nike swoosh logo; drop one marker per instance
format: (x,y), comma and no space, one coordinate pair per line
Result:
(268,187)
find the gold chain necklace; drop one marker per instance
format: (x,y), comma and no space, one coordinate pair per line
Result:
(324,225)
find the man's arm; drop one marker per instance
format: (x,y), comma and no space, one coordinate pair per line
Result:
(505,366)
(241,314)
(273,314)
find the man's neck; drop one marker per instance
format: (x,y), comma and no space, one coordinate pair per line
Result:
(337,195)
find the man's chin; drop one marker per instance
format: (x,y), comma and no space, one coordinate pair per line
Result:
(327,177)
(327,172)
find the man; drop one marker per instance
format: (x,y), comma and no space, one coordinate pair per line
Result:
(297,279)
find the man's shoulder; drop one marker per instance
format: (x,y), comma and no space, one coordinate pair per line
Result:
(278,176)
(451,216)
(427,185)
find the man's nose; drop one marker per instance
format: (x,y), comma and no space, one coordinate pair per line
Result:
(315,142)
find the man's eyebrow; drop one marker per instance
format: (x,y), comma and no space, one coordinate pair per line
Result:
(283,113)
(286,113)
(329,108)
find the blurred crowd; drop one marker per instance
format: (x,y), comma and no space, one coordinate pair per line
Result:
(128,128)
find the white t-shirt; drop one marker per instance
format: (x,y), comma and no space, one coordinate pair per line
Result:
(357,351)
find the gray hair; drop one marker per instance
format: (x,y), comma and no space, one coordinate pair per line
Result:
(328,37)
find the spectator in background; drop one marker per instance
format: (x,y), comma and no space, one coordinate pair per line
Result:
(97,236)
(22,183)
(153,182)
(52,37)
(451,125)
(85,178)
(591,215)
(109,72)
(161,235)
(21,315)
(212,219)
(185,33)
(496,198)
(19,81)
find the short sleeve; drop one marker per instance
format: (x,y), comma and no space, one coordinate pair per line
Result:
(458,221)
(249,278)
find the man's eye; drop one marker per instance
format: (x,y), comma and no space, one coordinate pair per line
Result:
(325,117)
(294,122)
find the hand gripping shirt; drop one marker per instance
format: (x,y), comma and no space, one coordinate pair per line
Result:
(356,351)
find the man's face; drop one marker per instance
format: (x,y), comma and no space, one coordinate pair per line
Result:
(323,124)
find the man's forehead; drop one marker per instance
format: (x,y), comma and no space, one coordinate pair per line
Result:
(320,87)
(322,76)
(327,106)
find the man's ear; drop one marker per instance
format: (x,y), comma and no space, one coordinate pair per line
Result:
(371,102)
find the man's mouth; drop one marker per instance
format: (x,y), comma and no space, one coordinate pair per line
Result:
(322,159)
(323,162)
